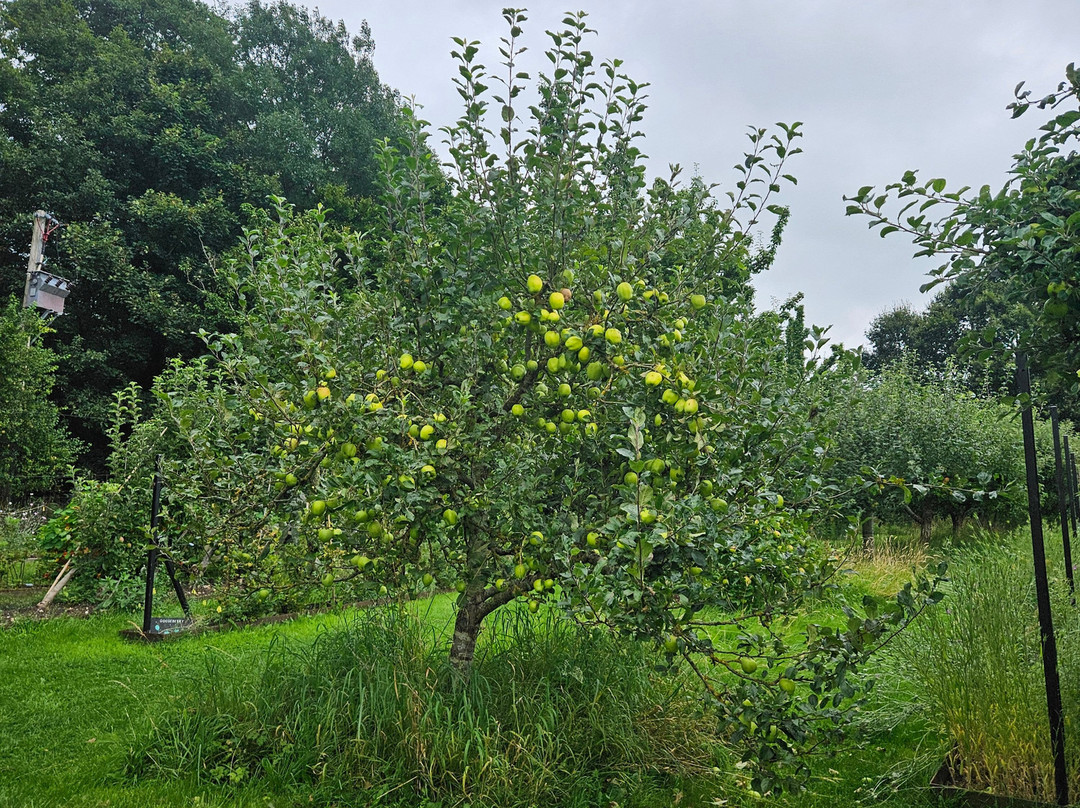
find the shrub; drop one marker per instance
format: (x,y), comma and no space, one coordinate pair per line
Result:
(35,451)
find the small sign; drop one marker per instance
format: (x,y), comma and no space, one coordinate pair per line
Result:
(170,625)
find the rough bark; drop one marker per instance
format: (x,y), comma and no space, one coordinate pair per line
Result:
(958,522)
(868,534)
(475,606)
(926,526)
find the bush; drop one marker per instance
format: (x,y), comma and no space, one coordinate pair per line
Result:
(935,450)
(35,451)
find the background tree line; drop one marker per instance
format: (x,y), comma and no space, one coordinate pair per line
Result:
(148,129)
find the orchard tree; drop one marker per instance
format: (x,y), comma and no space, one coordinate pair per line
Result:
(927,449)
(548,385)
(1019,244)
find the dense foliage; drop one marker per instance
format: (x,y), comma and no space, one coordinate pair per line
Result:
(929,449)
(548,385)
(35,450)
(1018,247)
(146,127)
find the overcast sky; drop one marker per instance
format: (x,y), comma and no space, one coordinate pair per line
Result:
(880,87)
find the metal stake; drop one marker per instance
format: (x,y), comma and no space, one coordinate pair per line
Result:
(1042,591)
(1061,481)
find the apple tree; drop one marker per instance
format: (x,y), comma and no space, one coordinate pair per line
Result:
(1017,245)
(543,381)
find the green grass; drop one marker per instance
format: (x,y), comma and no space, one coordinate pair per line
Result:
(90,720)
(975,665)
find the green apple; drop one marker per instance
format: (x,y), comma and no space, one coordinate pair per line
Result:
(535,284)
(625,291)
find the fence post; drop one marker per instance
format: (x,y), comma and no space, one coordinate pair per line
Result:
(1063,495)
(1070,469)
(1042,590)
(152,556)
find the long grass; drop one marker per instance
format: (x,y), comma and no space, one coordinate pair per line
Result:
(975,667)
(372,713)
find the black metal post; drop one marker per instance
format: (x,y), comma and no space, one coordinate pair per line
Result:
(1074,495)
(1061,481)
(180,596)
(1042,592)
(152,556)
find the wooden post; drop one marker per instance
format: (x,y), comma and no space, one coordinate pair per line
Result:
(37,247)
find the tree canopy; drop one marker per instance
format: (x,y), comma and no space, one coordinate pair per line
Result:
(147,127)
(548,385)
(1019,246)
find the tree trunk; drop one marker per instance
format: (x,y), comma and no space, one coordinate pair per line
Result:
(466,631)
(473,608)
(926,525)
(868,534)
(958,521)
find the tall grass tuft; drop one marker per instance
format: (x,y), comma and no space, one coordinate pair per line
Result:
(551,714)
(975,665)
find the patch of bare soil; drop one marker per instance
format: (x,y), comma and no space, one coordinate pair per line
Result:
(22,604)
